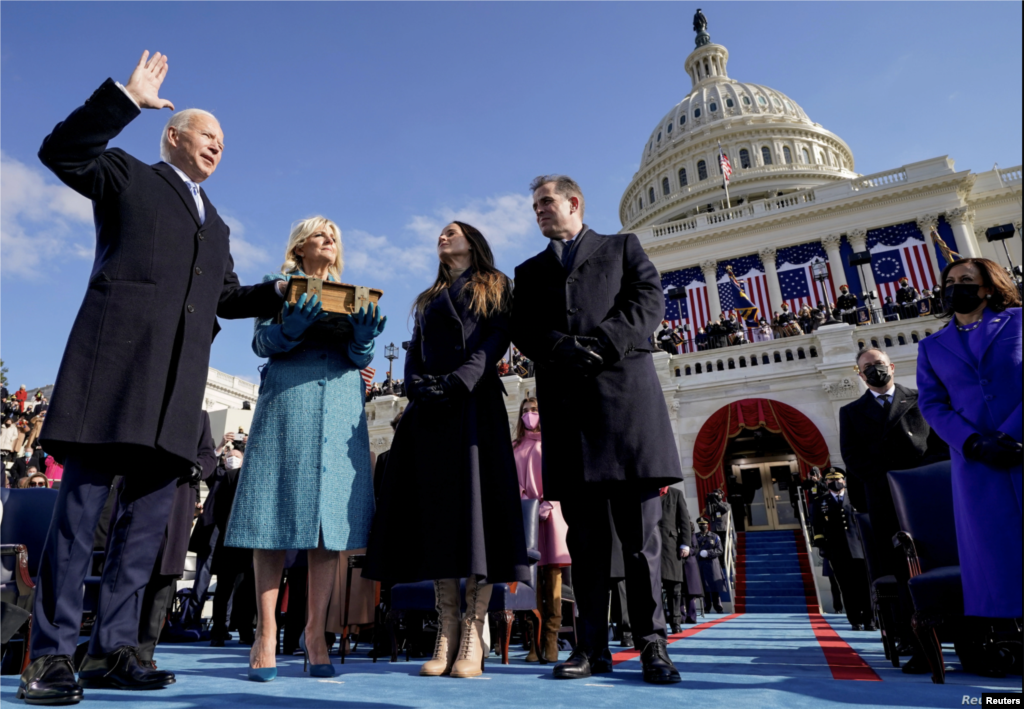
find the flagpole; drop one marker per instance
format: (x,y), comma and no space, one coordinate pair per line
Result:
(728,204)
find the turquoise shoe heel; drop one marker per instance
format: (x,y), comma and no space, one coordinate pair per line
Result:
(262,674)
(326,670)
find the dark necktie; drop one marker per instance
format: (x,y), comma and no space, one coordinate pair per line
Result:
(566,252)
(886,402)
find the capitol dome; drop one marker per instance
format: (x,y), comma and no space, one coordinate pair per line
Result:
(774,148)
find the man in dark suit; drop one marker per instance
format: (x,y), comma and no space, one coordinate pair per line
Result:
(836,538)
(676,538)
(131,382)
(584,310)
(885,430)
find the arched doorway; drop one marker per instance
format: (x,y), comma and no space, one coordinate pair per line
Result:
(766,448)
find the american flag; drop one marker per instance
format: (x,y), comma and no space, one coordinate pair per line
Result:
(751,278)
(723,162)
(900,251)
(796,280)
(368,375)
(694,310)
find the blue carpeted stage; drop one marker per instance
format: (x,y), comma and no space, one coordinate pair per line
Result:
(751,660)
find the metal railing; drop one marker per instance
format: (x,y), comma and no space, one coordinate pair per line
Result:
(811,557)
(730,557)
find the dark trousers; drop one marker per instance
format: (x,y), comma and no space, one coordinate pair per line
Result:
(594,514)
(204,563)
(853,580)
(674,601)
(156,601)
(132,545)
(837,593)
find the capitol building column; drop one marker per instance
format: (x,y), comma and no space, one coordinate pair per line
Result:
(767,255)
(710,270)
(859,242)
(835,261)
(960,220)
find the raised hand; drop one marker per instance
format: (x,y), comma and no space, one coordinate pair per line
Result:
(144,84)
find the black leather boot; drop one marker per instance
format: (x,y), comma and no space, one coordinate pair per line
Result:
(121,670)
(601,662)
(50,680)
(576,667)
(658,668)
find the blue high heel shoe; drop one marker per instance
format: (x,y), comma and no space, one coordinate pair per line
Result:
(325,670)
(262,674)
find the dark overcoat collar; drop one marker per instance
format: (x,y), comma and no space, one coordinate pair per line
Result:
(174,180)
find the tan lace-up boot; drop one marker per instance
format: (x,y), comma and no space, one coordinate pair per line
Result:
(471,644)
(446,647)
(552,597)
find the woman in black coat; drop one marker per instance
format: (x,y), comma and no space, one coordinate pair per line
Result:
(449,502)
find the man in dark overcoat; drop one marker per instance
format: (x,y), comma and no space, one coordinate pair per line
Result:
(584,311)
(881,431)
(907,297)
(676,540)
(709,548)
(835,536)
(130,384)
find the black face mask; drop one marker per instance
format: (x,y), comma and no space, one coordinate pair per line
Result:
(878,374)
(962,298)
(836,485)
(703,528)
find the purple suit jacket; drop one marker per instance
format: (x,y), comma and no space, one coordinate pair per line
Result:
(972,384)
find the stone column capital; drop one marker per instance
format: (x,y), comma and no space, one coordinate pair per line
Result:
(768,254)
(831,241)
(979,232)
(1017,225)
(959,216)
(857,238)
(927,222)
(709,265)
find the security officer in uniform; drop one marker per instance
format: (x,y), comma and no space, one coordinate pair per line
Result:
(709,548)
(665,337)
(847,304)
(906,298)
(717,511)
(786,318)
(837,540)
(890,311)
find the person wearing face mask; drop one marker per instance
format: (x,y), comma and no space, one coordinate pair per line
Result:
(451,475)
(890,311)
(665,337)
(708,549)
(701,339)
(836,539)
(846,303)
(228,563)
(788,326)
(906,298)
(969,383)
(554,554)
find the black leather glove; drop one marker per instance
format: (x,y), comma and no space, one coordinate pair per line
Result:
(443,390)
(416,386)
(999,450)
(581,354)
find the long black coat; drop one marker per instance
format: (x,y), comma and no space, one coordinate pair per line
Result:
(449,502)
(135,366)
(613,426)
(174,547)
(834,528)
(872,444)
(675,532)
(710,568)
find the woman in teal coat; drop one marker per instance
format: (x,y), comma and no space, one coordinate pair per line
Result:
(306,482)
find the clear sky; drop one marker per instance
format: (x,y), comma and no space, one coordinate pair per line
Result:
(393,118)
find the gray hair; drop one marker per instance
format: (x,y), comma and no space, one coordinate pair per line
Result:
(564,185)
(864,351)
(180,121)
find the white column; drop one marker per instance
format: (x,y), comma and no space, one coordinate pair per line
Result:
(767,255)
(929,223)
(710,271)
(858,241)
(835,261)
(961,220)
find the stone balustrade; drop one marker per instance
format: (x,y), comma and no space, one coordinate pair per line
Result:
(1010,175)
(879,179)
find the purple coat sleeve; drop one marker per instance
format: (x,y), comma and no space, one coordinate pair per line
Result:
(934,401)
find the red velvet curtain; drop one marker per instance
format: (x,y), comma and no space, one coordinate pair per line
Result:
(709,452)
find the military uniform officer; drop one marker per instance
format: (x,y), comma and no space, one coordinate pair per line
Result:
(847,304)
(665,336)
(906,298)
(890,311)
(709,548)
(717,513)
(837,540)
(786,318)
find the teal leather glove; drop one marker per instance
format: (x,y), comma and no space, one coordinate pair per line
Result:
(297,318)
(367,324)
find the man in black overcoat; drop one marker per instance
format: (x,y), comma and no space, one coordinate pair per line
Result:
(584,310)
(130,384)
(907,297)
(676,536)
(836,538)
(881,431)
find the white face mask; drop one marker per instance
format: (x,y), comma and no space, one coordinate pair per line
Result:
(232,462)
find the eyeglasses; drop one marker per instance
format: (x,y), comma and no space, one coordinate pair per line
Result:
(37,484)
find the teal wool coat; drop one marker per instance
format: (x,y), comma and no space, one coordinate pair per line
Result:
(306,469)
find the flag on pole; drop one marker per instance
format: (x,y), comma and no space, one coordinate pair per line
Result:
(723,161)
(741,303)
(368,375)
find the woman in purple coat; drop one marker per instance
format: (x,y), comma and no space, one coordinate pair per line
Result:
(969,390)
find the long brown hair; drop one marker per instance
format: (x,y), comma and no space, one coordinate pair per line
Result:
(520,426)
(1004,292)
(488,289)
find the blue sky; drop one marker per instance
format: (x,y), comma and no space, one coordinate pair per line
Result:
(394,118)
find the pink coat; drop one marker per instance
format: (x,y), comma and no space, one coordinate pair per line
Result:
(54,470)
(531,487)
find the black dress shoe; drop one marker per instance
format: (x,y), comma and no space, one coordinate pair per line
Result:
(627,640)
(855,626)
(870,627)
(675,628)
(122,670)
(916,665)
(576,667)
(690,621)
(601,662)
(658,668)
(50,680)
(719,609)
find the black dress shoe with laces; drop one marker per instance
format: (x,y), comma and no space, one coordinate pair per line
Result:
(627,640)
(122,670)
(658,668)
(675,628)
(50,680)
(601,662)
(916,665)
(576,667)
